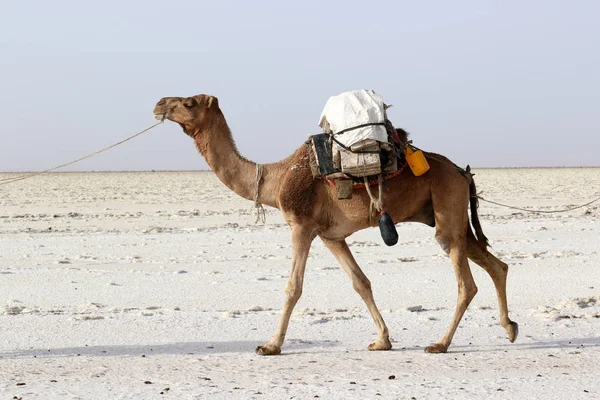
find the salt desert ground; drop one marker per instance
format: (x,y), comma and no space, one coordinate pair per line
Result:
(156,285)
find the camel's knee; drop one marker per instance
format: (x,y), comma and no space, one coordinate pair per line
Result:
(362,286)
(467,291)
(495,267)
(472,291)
(293,290)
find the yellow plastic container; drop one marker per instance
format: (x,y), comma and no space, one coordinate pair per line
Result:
(416,161)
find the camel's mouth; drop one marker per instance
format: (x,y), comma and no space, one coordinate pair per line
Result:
(160,117)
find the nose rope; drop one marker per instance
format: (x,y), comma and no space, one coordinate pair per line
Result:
(6,181)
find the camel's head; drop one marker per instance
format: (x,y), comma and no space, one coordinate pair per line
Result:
(190,112)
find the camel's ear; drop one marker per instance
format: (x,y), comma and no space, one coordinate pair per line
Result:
(189,102)
(385,106)
(212,100)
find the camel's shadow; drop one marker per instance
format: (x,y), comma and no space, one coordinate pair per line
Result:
(247,347)
(143,350)
(574,343)
(148,350)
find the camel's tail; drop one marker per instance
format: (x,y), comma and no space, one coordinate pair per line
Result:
(474,202)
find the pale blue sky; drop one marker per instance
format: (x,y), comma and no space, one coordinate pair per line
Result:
(487,83)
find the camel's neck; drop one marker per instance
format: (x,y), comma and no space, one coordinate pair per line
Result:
(237,173)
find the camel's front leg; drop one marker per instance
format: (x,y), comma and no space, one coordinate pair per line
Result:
(362,285)
(301,241)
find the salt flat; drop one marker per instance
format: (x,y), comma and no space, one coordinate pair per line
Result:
(160,285)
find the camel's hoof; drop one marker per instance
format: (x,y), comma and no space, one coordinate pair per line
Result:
(268,350)
(513,331)
(380,345)
(436,348)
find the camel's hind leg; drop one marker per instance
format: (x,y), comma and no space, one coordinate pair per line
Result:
(456,245)
(497,271)
(362,285)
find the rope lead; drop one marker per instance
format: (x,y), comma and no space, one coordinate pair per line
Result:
(538,211)
(6,181)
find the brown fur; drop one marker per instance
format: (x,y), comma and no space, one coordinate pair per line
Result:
(438,198)
(402,134)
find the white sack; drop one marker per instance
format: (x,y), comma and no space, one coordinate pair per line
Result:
(355,108)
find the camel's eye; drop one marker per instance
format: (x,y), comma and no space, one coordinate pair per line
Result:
(189,103)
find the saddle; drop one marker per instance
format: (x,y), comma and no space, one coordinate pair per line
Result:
(360,147)
(358,166)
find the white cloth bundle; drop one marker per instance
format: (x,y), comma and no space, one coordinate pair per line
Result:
(351,109)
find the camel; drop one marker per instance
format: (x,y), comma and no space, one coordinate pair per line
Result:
(440,198)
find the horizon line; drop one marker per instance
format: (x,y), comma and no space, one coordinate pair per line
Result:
(210,170)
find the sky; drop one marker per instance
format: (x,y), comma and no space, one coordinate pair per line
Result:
(486,83)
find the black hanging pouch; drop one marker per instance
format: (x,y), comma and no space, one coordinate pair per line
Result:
(322,145)
(388,229)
